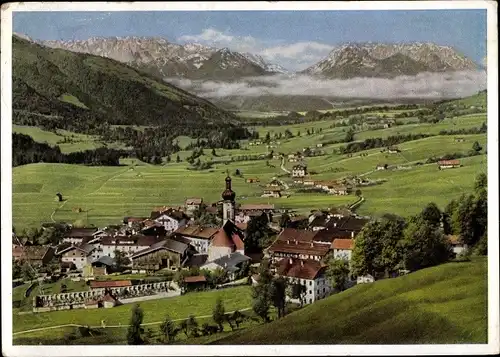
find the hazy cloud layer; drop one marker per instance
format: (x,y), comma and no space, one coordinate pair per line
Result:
(425,85)
(293,56)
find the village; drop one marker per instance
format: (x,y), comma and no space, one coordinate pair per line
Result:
(196,241)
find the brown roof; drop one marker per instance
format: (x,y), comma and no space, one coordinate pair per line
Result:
(252,207)
(195,279)
(296,247)
(449,162)
(197,231)
(108,298)
(346,244)
(211,209)
(173,213)
(32,252)
(81,232)
(292,234)
(194,201)
(454,239)
(95,284)
(134,219)
(137,240)
(300,268)
(221,239)
(271,188)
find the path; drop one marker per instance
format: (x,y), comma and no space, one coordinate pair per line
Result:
(283,165)
(115,326)
(356,204)
(58,208)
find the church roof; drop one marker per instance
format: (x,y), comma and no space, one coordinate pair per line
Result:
(221,239)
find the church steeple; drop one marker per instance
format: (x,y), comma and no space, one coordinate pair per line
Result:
(228,205)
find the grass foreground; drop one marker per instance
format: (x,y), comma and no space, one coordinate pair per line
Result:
(446,304)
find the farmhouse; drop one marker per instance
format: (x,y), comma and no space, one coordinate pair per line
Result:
(192,204)
(79,255)
(393,150)
(456,243)
(170,219)
(448,164)
(299,171)
(131,220)
(77,235)
(230,263)
(310,274)
(342,248)
(198,236)
(247,211)
(126,244)
(459,140)
(168,253)
(271,191)
(100,266)
(293,243)
(252,180)
(381,167)
(35,255)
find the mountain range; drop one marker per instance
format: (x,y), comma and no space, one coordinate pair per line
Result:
(196,61)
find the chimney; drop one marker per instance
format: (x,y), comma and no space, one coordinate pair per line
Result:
(312,245)
(334,224)
(290,261)
(296,242)
(288,241)
(352,234)
(301,263)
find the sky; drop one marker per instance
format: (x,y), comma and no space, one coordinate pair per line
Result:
(293,39)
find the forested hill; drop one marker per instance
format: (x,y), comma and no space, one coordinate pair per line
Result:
(80,92)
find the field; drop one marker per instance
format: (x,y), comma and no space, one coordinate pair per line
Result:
(446,304)
(78,142)
(196,303)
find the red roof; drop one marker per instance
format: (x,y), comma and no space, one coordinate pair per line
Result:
(221,239)
(300,268)
(300,235)
(346,244)
(110,284)
(296,247)
(238,242)
(195,279)
(449,162)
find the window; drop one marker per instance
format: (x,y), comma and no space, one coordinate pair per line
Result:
(310,301)
(310,292)
(310,283)
(323,289)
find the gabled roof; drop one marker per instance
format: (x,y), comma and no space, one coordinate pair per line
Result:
(329,234)
(230,260)
(32,252)
(296,247)
(228,236)
(196,260)
(291,234)
(80,232)
(168,244)
(97,284)
(106,260)
(195,279)
(197,231)
(344,244)
(300,268)
(172,213)
(194,201)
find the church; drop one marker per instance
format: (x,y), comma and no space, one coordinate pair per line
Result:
(228,241)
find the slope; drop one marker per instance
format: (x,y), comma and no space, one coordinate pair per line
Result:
(50,85)
(444,304)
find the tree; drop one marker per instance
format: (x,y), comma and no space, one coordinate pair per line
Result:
(431,214)
(349,136)
(298,291)
(463,219)
(17,270)
(358,193)
(285,220)
(237,172)
(424,245)
(237,318)
(184,326)
(168,330)
(278,295)
(178,159)
(256,234)
(476,147)
(213,152)
(121,259)
(218,314)
(337,273)
(481,183)
(59,197)
(134,333)
(192,325)
(262,292)
(28,272)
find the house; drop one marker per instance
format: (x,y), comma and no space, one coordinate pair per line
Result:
(231,263)
(252,180)
(335,189)
(198,236)
(319,145)
(227,240)
(192,204)
(308,182)
(459,140)
(299,171)
(79,255)
(100,266)
(447,164)
(342,248)
(393,150)
(126,244)
(270,191)
(77,235)
(197,282)
(381,167)
(170,219)
(247,211)
(310,274)
(129,221)
(275,183)
(34,254)
(297,221)
(152,228)
(456,243)
(365,279)
(295,243)
(168,253)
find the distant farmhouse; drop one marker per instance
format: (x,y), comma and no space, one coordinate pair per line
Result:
(381,167)
(448,164)
(299,170)
(271,191)
(192,204)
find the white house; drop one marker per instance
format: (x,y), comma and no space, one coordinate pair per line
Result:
(342,248)
(126,244)
(299,171)
(170,219)
(457,246)
(198,236)
(79,255)
(308,273)
(365,279)
(192,204)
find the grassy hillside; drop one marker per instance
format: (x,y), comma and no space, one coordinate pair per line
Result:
(444,304)
(52,85)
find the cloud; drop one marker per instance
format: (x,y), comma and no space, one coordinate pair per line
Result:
(424,85)
(293,56)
